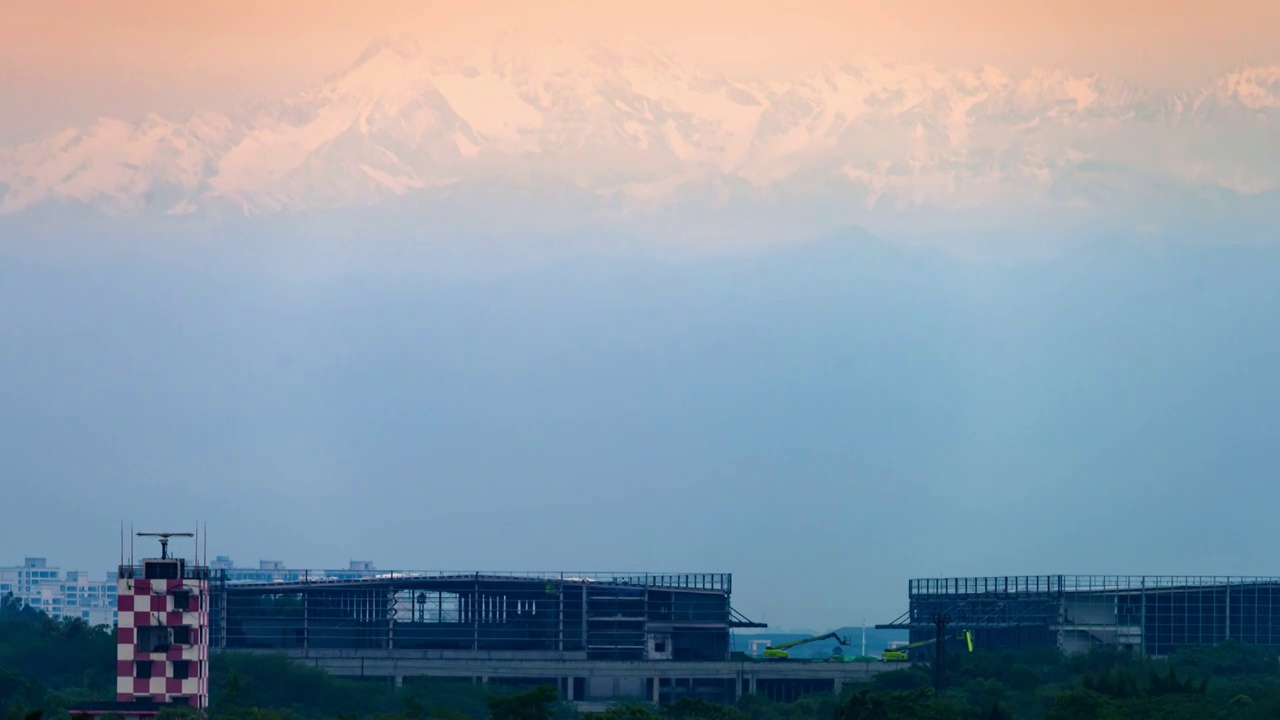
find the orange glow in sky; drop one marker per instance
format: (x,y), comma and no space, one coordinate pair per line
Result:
(64,61)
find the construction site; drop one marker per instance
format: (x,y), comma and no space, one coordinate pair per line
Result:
(1152,614)
(596,636)
(605,637)
(662,636)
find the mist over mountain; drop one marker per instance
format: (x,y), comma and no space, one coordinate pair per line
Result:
(561,306)
(564,135)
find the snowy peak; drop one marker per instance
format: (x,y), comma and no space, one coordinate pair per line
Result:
(117,164)
(637,125)
(1253,87)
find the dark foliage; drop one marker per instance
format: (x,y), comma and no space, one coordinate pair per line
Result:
(536,704)
(45,666)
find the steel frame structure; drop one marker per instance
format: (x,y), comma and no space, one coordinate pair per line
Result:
(585,615)
(1156,614)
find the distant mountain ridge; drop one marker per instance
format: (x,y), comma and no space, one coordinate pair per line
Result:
(635,130)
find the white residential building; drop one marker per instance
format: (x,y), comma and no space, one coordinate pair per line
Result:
(275,571)
(73,594)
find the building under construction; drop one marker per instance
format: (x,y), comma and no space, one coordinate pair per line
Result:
(1153,614)
(593,616)
(597,637)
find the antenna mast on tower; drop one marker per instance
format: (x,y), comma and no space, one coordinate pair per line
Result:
(164,540)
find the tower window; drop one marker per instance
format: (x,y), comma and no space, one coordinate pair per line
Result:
(182,670)
(142,669)
(182,635)
(182,600)
(153,638)
(162,569)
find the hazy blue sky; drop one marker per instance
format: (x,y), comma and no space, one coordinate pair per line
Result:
(507,303)
(824,421)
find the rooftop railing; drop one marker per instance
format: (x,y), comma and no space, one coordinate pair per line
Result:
(1050,584)
(720,582)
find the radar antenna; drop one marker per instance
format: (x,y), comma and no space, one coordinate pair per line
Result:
(164,540)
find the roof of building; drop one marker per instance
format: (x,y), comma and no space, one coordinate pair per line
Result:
(719,583)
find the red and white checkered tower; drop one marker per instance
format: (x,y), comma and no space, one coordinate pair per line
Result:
(162,655)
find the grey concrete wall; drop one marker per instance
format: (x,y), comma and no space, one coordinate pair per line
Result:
(602,679)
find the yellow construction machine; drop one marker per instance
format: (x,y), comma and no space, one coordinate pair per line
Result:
(779,652)
(902,653)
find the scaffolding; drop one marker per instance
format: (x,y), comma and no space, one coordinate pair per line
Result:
(606,616)
(1155,614)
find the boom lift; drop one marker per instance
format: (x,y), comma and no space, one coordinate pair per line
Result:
(901,653)
(779,652)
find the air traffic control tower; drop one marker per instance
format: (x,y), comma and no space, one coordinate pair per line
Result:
(162,637)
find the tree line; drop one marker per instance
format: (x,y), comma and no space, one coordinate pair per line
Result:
(47,666)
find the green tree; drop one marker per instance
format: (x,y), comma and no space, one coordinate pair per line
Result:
(1115,683)
(244,681)
(536,704)
(628,711)
(444,713)
(11,608)
(17,691)
(1083,704)
(911,705)
(996,711)
(233,690)
(411,709)
(1229,659)
(258,714)
(177,713)
(905,680)
(1021,678)
(699,709)
(1170,684)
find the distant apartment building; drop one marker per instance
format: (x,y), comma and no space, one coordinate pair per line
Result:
(270,571)
(77,594)
(62,595)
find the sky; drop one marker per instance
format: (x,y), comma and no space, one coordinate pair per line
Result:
(823,422)
(824,419)
(64,62)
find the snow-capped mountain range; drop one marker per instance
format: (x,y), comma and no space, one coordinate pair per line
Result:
(641,129)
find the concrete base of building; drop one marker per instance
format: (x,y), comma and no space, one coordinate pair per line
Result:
(597,681)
